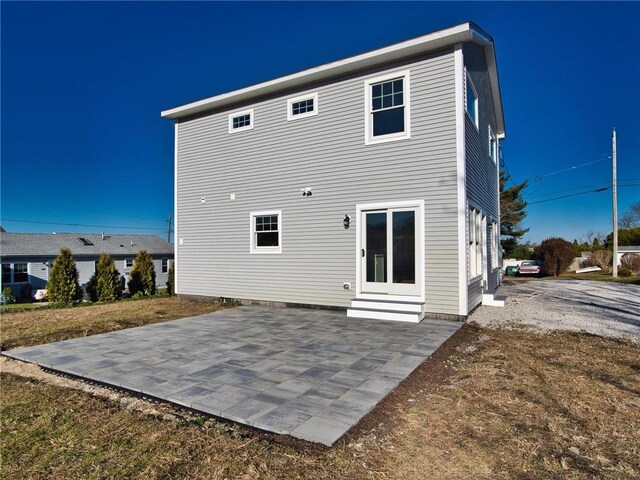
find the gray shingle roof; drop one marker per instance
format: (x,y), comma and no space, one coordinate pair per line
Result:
(49,244)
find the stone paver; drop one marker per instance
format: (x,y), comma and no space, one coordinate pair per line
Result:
(308,373)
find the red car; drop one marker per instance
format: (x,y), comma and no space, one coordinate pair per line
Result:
(530,267)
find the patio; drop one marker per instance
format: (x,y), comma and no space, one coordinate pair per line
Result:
(312,374)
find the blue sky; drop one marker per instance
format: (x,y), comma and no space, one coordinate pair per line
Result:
(83,84)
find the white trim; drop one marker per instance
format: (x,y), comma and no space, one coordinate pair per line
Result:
(368,124)
(125,263)
(420,239)
(253,249)
(469,82)
(175,208)
(463,288)
(309,96)
(240,114)
(493,146)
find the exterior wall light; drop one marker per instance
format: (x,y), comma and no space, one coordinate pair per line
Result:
(346,222)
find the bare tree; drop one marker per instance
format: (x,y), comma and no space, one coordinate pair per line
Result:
(631,218)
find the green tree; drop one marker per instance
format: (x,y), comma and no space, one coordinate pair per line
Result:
(143,275)
(63,288)
(108,287)
(512,213)
(627,237)
(556,255)
(171,279)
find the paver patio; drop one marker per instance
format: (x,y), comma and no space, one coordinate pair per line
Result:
(312,374)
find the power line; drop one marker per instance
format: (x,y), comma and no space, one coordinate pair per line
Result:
(27,202)
(607,157)
(571,195)
(82,225)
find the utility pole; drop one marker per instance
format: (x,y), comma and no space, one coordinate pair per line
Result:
(615,206)
(169,230)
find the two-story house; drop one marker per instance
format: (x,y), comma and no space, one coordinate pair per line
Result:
(369,183)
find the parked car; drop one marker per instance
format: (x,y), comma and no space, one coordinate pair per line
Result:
(530,267)
(511,270)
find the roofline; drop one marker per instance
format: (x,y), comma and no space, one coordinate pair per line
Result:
(465,32)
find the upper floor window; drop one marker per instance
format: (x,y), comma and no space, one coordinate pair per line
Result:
(471,101)
(128,263)
(266,232)
(493,145)
(240,121)
(387,108)
(303,106)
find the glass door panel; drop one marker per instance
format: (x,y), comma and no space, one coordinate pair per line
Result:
(404,247)
(375,247)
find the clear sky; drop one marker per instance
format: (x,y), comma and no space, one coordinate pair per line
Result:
(83,84)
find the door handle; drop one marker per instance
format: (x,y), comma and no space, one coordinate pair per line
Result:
(363,252)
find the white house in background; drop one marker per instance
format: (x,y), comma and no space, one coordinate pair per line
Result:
(369,183)
(27,257)
(627,249)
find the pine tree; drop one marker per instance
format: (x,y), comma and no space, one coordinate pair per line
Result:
(512,212)
(108,280)
(171,280)
(63,288)
(143,275)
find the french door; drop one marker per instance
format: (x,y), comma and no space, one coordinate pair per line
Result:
(390,243)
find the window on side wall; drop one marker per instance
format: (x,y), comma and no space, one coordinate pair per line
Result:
(6,273)
(475,243)
(387,108)
(266,231)
(128,263)
(20,274)
(495,242)
(302,106)
(241,121)
(165,265)
(471,101)
(493,146)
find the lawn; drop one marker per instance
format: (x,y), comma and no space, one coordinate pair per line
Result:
(37,326)
(489,404)
(602,277)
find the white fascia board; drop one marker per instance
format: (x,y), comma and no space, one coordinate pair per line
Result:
(460,33)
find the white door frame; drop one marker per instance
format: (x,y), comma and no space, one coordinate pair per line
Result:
(420,270)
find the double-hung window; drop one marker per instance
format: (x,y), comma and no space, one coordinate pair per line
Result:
(302,106)
(471,101)
(495,242)
(20,274)
(493,146)
(128,263)
(6,273)
(475,243)
(387,114)
(241,121)
(165,265)
(266,232)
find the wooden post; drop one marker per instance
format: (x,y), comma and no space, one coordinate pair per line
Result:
(615,206)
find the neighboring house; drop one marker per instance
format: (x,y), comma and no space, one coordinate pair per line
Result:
(369,183)
(27,257)
(627,249)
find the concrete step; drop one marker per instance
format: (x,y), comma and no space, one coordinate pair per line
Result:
(393,305)
(382,314)
(493,300)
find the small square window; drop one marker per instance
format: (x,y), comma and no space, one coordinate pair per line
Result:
(165,265)
(471,101)
(266,232)
(128,263)
(387,108)
(20,274)
(240,121)
(302,107)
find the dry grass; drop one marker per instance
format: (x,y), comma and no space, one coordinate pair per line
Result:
(39,326)
(489,404)
(600,277)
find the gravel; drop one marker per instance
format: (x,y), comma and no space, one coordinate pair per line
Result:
(600,308)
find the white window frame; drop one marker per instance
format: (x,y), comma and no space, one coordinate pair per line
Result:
(368,112)
(162,260)
(475,243)
(240,114)
(493,146)
(309,96)
(469,82)
(495,241)
(13,272)
(125,263)
(254,249)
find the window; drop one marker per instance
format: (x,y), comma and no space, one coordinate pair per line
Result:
(165,265)
(84,241)
(475,243)
(471,101)
(6,273)
(240,121)
(302,107)
(20,274)
(128,263)
(493,146)
(387,108)
(266,232)
(495,242)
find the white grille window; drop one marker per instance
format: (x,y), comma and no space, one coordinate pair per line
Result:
(266,232)
(240,121)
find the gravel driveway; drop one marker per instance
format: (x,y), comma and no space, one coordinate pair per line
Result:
(601,308)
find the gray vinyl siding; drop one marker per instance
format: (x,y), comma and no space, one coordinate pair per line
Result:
(267,166)
(481,171)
